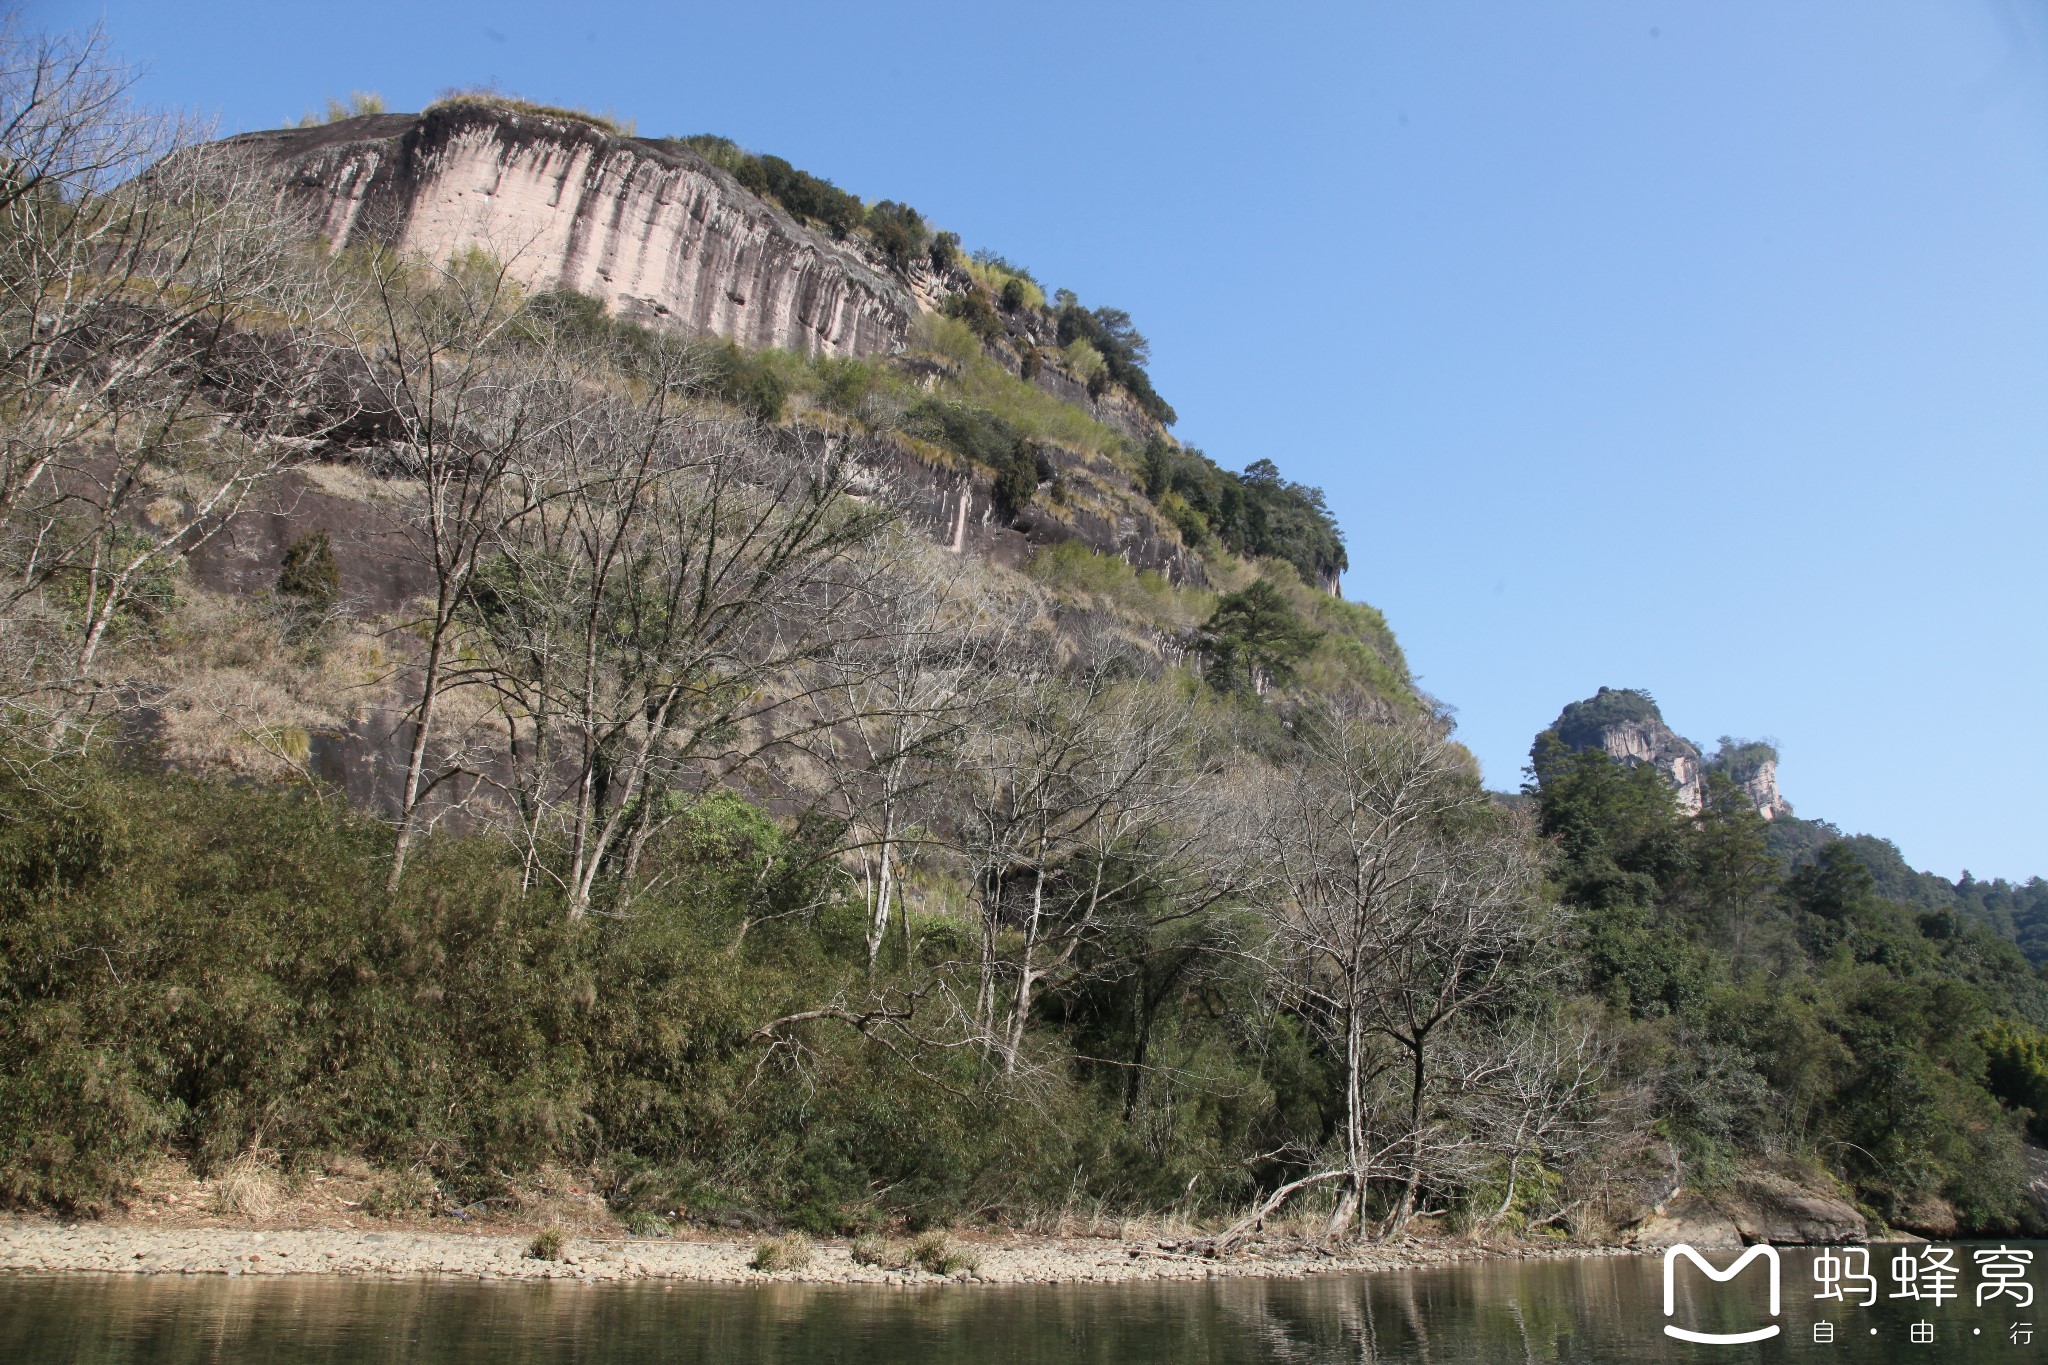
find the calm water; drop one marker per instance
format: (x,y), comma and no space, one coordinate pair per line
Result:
(1608,1310)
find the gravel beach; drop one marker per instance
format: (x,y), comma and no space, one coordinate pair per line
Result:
(32,1246)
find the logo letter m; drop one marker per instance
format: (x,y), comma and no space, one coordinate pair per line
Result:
(1671,1256)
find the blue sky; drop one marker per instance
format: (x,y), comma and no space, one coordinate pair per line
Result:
(1694,347)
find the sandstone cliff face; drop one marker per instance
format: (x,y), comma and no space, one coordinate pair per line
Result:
(1754,768)
(650,228)
(1655,743)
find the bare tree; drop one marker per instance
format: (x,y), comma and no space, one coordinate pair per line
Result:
(1538,1099)
(1462,940)
(648,613)
(1080,792)
(1402,905)
(456,372)
(891,711)
(160,334)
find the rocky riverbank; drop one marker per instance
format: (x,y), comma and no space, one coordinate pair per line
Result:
(31,1246)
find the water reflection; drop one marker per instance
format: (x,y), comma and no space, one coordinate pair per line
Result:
(1604,1310)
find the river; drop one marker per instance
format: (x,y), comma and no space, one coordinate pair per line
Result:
(1594,1310)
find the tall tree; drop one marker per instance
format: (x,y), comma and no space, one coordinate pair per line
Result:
(648,630)
(1402,901)
(456,373)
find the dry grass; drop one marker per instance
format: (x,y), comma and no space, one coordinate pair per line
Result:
(249,1187)
(791,1251)
(871,1250)
(557,1198)
(348,479)
(234,694)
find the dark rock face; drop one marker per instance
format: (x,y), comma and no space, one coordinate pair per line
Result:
(653,230)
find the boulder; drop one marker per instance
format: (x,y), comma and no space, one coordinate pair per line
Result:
(1771,1208)
(1688,1219)
(1759,1207)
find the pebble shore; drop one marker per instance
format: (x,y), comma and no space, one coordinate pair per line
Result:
(37,1247)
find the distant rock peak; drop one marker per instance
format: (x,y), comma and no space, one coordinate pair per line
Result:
(1625,723)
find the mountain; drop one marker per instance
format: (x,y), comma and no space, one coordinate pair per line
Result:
(1626,725)
(531,648)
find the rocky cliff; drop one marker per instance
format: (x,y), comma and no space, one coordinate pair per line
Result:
(664,235)
(656,232)
(1627,725)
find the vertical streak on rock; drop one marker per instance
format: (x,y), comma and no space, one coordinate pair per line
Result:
(653,230)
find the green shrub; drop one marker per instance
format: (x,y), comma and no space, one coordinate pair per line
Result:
(309,575)
(1083,361)
(1016,485)
(749,381)
(899,230)
(810,197)
(971,306)
(549,1244)
(646,1223)
(971,431)
(1012,285)
(1193,527)
(721,152)
(934,1251)
(583,320)
(845,385)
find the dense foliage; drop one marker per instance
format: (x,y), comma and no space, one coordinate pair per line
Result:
(1796,1010)
(2015,911)
(1254,639)
(205,968)
(1257,513)
(803,195)
(1124,350)
(1583,722)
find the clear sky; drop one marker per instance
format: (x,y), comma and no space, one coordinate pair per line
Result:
(1694,347)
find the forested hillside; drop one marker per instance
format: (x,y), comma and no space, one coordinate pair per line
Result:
(2015,911)
(449,725)
(1796,1005)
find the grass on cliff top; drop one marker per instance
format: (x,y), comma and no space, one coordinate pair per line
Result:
(486,98)
(993,277)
